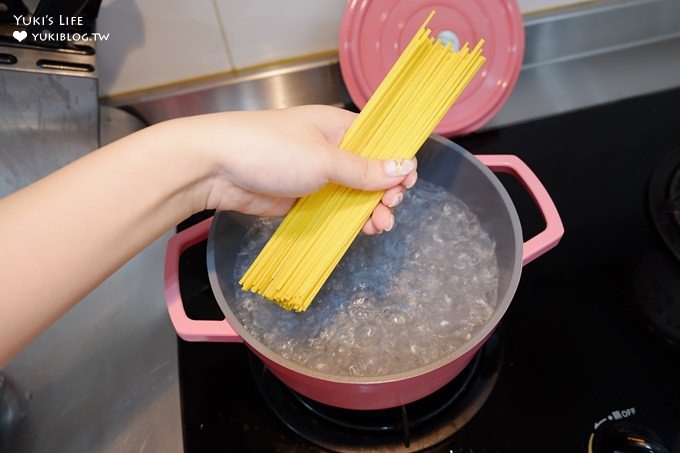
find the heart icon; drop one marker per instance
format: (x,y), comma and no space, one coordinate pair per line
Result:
(20,35)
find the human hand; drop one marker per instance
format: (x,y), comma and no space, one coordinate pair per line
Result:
(267,159)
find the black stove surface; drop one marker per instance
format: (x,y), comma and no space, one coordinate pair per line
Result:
(579,346)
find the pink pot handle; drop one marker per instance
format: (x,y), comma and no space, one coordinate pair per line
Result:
(187,328)
(551,235)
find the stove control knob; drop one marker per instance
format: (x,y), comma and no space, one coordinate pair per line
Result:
(625,437)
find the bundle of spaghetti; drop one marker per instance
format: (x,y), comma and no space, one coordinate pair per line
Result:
(412,99)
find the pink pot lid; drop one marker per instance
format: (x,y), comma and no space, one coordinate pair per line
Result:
(373,34)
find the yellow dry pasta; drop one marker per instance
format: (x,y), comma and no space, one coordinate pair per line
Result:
(412,99)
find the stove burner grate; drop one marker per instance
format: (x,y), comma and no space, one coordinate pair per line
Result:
(664,200)
(412,427)
(657,281)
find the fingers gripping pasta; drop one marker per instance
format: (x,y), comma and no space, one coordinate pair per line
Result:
(412,99)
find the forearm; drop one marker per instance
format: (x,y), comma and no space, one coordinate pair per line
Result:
(65,234)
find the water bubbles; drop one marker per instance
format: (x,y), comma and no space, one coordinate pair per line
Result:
(395,302)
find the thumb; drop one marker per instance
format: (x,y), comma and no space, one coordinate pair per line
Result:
(357,172)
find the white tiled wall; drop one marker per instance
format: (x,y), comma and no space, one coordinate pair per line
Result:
(155,42)
(529,6)
(158,42)
(258,31)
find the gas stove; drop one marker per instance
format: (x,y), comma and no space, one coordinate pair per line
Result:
(579,362)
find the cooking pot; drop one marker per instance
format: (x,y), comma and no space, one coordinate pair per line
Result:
(441,162)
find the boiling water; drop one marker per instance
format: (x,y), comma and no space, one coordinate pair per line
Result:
(395,302)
